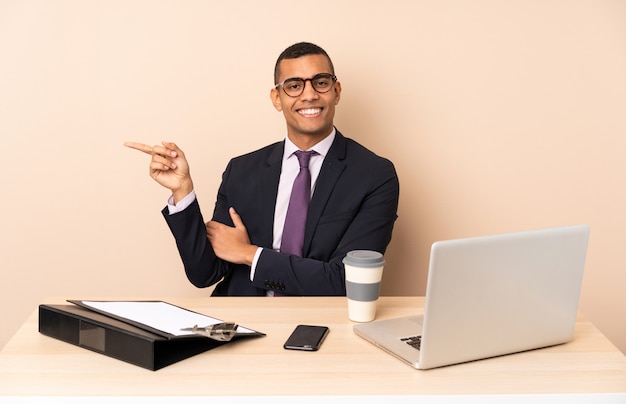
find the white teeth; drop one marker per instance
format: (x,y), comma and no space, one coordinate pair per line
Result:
(310,111)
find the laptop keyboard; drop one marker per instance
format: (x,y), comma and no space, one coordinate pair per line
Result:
(415,341)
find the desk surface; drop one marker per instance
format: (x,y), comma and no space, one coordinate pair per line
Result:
(34,364)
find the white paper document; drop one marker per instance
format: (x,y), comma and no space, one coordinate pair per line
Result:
(161,316)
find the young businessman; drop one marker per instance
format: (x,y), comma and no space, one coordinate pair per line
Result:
(353,199)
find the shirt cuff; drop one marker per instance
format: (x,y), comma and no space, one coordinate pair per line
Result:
(182,204)
(254,262)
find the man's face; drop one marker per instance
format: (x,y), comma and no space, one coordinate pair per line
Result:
(310,114)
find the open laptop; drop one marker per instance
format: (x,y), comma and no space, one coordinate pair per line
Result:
(489,296)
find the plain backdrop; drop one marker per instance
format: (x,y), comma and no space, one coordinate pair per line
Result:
(500,116)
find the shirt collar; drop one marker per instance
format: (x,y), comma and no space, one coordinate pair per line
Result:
(321,148)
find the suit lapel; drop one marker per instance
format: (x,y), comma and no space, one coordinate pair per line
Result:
(267,193)
(332,168)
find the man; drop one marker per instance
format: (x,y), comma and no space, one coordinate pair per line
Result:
(353,202)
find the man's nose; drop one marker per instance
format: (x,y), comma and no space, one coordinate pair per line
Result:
(308,91)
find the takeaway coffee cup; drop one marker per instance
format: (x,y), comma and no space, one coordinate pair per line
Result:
(364,271)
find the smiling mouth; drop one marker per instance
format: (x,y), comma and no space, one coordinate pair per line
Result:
(310,111)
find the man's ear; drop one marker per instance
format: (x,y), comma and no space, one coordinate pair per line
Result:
(275,97)
(337,89)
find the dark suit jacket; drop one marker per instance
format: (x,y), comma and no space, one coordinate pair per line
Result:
(353,207)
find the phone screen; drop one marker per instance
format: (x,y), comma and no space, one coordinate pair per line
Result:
(306,337)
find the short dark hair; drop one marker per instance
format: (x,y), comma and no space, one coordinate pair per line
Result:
(298,50)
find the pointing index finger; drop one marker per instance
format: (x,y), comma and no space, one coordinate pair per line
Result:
(140,146)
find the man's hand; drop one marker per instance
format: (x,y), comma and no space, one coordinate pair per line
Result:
(231,244)
(168,167)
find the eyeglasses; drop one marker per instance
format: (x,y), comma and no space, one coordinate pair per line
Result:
(322,83)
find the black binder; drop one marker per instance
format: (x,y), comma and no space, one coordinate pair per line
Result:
(121,340)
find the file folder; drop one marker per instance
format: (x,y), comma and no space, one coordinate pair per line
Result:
(130,342)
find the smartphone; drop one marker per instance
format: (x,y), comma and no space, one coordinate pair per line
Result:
(306,338)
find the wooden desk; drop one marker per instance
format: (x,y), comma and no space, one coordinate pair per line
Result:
(32,364)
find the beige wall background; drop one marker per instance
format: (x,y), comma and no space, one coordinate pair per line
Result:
(499,115)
